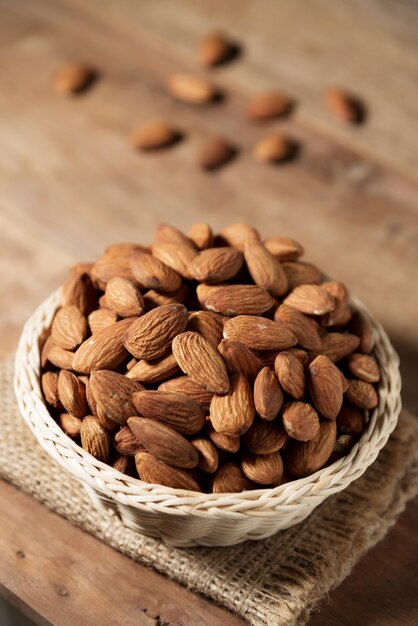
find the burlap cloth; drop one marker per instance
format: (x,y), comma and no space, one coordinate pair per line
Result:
(274,581)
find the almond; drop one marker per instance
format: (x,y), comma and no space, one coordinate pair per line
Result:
(351,419)
(237,235)
(301,273)
(299,354)
(305,458)
(150,336)
(208,455)
(364,366)
(126,443)
(259,333)
(342,105)
(49,384)
(154,135)
(101,318)
(191,89)
(300,421)
(113,264)
(265,269)
(78,291)
(311,299)
(94,438)
(362,394)
(109,425)
(104,350)
(153,299)
(239,359)
(274,148)
(151,470)
(230,479)
(263,469)
(164,443)
(153,273)
(113,394)
(233,412)
(201,362)
(337,346)
(214,153)
(228,443)
(207,324)
(185,386)
(166,233)
(177,256)
(284,248)
(216,265)
(268,395)
(215,49)
(268,106)
(325,386)
(237,299)
(181,413)
(121,464)
(69,327)
(70,424)
(360,325)
(264,437)
(72,393)
(80,268)
(74,78)
(124,298)
(340,294)
(291,375)
(151,372)
(201,234)
(304,328)
(61,358)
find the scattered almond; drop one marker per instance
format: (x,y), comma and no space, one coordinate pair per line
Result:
(214,153)
(267,106)
(274,148)
(342,105)
(191,89)
(215,49)
(154,136)
(73,78)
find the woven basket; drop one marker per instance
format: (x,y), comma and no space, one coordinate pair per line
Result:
(184,518)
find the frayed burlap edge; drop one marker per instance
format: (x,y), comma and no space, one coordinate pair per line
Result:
(275,581)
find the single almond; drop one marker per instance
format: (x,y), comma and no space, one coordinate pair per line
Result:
(69,327)
(208,455)
(264,437)
(310,299)
(237,299)
(126,443)
(325,386)
(63,359)
(306,458)
(364,366)
(263,469)
(361,327)
(150,336)
(236,235)
(166,233)
(113,394)
(70,424)
(268,395)
(337,346)
(216,265)
(259,333)
(72,393)
(112,264)
(305,328)
(233,412)
(340,294)
(214,153)
(153,273)
(94,438)
(164,443)
(177,256)
(300,421)
(284,248)
(191,89)
(227,443)
(78,291)
(201,234)
(351,419)
(362,394)
(239,359)
(151,372)
(207,324)
(74,78)
(181,413)
(265,269)
(201,362)
(274,148)
(104,350)
(121,464)
(49,384)
(151,470)
(291,374)
(342,105)
(301,273)
(154,135)
(185,386)
(154,299)
(124,298)
(214,49)
(267,106)
(229,478)
(101,318)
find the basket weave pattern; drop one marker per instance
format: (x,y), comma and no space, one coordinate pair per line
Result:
(185,518)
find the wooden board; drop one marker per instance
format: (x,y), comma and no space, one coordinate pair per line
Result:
(70,183)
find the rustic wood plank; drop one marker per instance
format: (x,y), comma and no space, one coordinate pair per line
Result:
(53,583)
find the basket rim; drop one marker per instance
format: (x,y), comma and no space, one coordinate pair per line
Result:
(135,492)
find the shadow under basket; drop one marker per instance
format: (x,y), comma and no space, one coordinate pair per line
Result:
(185,518)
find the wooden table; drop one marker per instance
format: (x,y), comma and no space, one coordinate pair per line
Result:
(70,184)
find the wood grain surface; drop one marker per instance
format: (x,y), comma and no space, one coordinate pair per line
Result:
(70,183)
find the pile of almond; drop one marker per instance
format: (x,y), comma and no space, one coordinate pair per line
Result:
(214,363)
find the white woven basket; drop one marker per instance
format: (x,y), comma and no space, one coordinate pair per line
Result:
(184,518)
